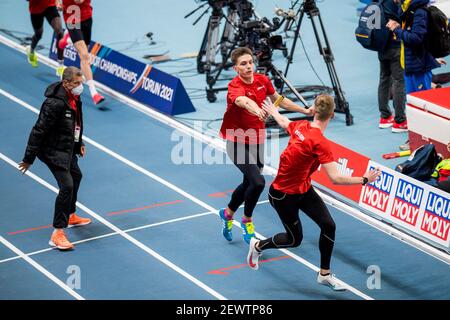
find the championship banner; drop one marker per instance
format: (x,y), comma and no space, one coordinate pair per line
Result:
(349,164)
(409,203)
(132,78)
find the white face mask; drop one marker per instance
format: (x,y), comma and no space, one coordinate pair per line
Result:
(77,90)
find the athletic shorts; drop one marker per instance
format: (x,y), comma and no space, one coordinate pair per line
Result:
(83,33)
(418,81)
(37,20)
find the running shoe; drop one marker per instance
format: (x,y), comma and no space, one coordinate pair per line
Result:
(404,146)
(60,71)
(386,122)
(60,241)
(248,231)
(253,255)
(330,281)
(65,40)
(32,58)
(76,221)
(227,225)
(98,98)
(400,127)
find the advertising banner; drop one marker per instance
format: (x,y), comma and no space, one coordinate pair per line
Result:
(409,203)
(130,77)
(350,164)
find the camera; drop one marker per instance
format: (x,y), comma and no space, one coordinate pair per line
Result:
(245,29)
(257,36)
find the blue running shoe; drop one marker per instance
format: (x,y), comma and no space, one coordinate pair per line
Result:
(248,231)
(227,225)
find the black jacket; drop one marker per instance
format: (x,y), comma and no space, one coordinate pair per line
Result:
(391,11)
(414,37)
(52,138)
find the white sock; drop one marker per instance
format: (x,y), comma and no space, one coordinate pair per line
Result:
(91,86)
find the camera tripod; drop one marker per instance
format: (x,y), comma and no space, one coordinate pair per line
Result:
(242,28)
(211,46)
(238,12)
(310,8)
(238,32)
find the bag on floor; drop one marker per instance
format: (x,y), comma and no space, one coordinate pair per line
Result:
(421,163)
(372,32)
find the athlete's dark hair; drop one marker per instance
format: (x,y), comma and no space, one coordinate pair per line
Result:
(239,52)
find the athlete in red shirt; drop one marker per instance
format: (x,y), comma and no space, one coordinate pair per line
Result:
(78,18)
(40,10)
(291,190)
(244,129)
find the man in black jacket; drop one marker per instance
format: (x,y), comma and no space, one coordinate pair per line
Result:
(56,139)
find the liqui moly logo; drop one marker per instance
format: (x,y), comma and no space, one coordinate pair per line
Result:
(376,194)
(407,202)
(436,220)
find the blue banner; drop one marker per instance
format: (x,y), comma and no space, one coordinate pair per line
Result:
(130,77)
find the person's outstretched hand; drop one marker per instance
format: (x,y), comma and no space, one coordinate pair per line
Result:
(23,167)
(269,107)
(372,175)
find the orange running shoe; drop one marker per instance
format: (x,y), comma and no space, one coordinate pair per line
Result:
(76,221)
(60,241)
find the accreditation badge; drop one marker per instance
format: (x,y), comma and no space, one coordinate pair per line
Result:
(77,133)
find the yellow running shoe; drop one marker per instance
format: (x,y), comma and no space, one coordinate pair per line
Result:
(32,58)
(248,231)
(60,71)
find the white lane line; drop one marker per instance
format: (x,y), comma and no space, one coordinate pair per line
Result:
(115,233)
(41,269)
(220,145)
(123,234)
(118,157)
(198,215)
(182,192)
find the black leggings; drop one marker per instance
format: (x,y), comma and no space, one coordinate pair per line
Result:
(287,207)
(53,18)
(81,32)
(250,160)
(68,183)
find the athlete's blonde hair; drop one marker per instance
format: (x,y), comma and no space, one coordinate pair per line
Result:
(324,105)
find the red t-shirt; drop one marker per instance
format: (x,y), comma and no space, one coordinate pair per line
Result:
(307,149)
(252,130)
(39,6)
(71,13)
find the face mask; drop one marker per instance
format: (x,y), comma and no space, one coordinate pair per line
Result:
(77,90)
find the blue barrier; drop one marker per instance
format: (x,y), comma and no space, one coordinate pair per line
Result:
(137,80)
